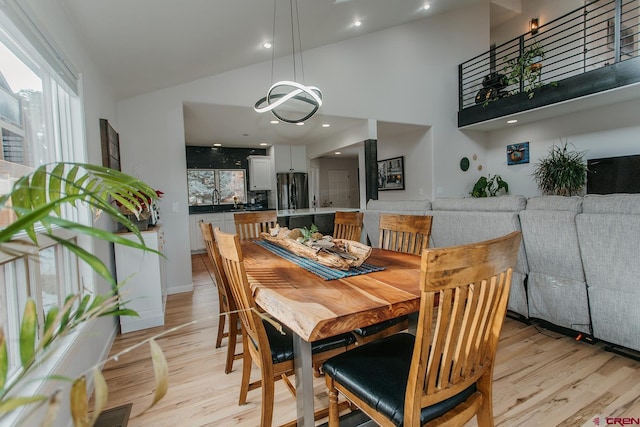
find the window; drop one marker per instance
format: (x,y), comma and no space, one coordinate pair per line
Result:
(216,186)
(40,124)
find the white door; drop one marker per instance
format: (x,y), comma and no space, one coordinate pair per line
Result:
(339,185)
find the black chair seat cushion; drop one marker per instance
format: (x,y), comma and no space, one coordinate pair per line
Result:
(377,373)
(379,327)
(282,345)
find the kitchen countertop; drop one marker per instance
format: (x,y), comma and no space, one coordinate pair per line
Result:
(225,208)
(280,213)
(313,211)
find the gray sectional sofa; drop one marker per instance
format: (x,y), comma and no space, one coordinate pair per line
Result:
(578,265)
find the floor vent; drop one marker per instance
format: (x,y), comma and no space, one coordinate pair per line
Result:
(114,417)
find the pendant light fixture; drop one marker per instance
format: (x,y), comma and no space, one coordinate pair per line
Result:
(290,101)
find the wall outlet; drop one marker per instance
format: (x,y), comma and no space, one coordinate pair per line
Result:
(175,207)
(420,192)
(439,191)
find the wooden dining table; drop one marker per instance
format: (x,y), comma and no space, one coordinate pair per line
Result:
(315,308)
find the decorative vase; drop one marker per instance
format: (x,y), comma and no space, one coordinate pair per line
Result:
(142,224)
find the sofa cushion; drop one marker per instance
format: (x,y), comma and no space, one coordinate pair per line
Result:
(612,203)
(481,204)
(417,206)
(555,203)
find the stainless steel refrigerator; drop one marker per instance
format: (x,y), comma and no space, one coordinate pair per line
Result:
(293,190)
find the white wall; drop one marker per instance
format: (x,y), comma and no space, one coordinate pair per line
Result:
(406,74)
(417,149)
(600,132)
(544,10)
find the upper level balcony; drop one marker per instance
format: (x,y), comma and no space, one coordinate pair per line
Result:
(587,58)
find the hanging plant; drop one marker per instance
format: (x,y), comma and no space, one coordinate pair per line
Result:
(562,172)
(526,68)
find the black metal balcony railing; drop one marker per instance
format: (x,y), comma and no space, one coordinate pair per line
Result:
(597,35)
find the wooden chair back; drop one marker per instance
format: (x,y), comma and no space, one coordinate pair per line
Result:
(405,233)
(456,341)
(348,225)
(250,225)
(232,261)
(224,291)
(226,303)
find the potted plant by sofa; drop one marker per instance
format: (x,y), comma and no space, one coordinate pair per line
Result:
(489,186)
(562,172)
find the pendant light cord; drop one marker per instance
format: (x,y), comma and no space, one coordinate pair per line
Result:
(273,41)
(299,45)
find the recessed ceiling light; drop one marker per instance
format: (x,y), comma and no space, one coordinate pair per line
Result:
(338,152)
(217,145)
(357,23)
(274,122)
(267,45)
(300,123)
(512,121)
(263,144)
(426,6)
(326,125)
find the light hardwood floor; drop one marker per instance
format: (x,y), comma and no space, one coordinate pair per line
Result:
(541,378)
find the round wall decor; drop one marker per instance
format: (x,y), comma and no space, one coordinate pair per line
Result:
(464,164)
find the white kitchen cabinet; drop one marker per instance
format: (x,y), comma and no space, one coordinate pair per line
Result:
(195,234)
(290,158)
(260,175)
(145,287)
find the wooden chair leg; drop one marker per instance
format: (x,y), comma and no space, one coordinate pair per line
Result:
(246,372)
(334,411)
(231,342)
(485,413)
(266,413)
(221,321)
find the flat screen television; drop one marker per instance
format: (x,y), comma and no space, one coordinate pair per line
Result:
(614,175)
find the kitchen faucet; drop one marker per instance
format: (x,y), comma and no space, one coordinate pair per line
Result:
(215,197)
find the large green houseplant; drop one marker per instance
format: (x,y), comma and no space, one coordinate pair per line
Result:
(37,200)
(562,172)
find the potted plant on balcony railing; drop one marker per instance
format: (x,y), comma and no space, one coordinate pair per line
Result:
(526,68)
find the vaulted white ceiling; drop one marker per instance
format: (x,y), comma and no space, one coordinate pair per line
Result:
(146,45)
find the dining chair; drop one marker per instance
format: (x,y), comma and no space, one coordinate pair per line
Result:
(443,374)
(400,233)
(348,225)
(226,304)
(250,225)
(404,233)
(263,343)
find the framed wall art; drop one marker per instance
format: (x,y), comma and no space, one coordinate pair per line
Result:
(391,174)
(518,153)
(110,142)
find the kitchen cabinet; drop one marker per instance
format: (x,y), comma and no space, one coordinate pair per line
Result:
(260,176)
(290,158)
(224,220)
(145,287)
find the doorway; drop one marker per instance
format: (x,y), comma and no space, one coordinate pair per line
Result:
(339,188)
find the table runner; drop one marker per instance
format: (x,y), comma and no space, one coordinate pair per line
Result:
(327,273)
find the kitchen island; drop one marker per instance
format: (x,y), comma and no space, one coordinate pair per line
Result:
(222,216)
